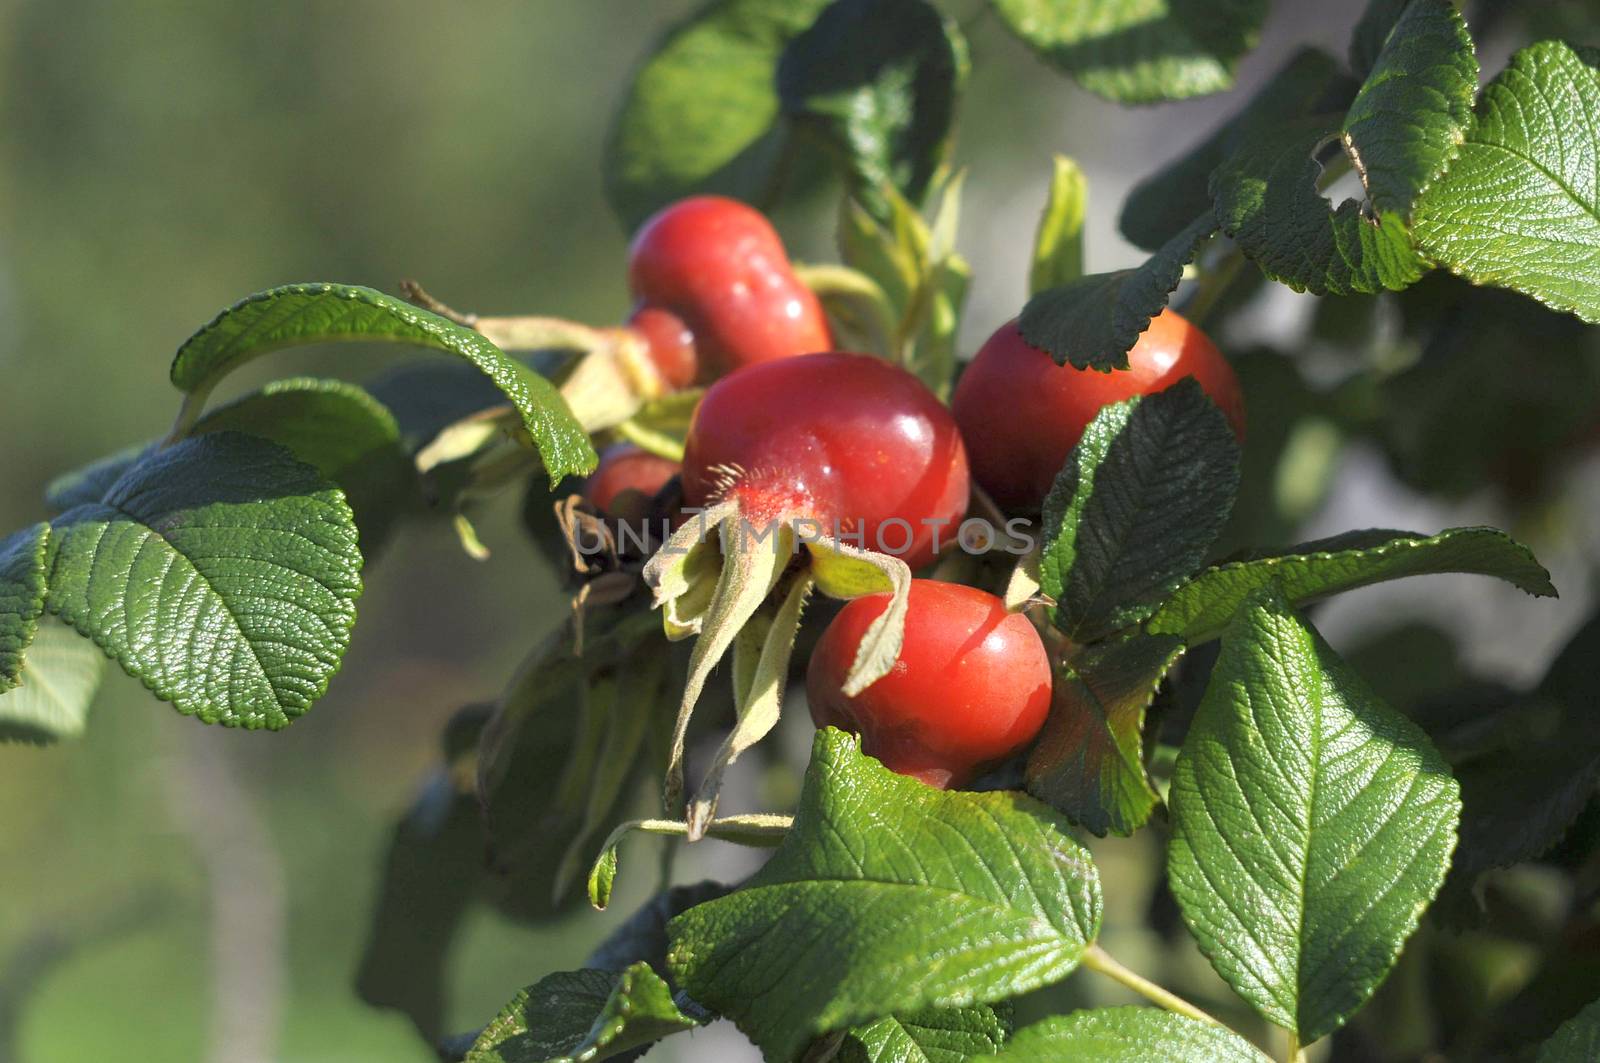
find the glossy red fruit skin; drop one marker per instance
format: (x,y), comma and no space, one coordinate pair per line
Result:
(841,438)
(1021,414)
(972,685)
(669,344)
(626,480)
(721,267)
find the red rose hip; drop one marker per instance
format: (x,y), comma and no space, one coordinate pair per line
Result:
(719,265)
(972,685)
(1021,414)
(626,480)
(850,441)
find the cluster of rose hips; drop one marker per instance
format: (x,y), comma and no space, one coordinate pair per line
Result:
(787,432)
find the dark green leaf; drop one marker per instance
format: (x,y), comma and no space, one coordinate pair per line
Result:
(877,80)
(1089,761)
(1092,322)
(1203,606)
(1266,199)
(1372,33)
(221,572)
(643,937)
(22,592)
(1409,117)
(1138,504)
(579,1016)
(342,430)
(1518,800)
(59,680)
(431,872)
(1578,1040)
(1127,1035)
(1519,207)
(1312,824)
(297,315)
(948,1035)
(92,481)
(1160,206)
(702,113)
(878,874)
(427,397)
(1139,51)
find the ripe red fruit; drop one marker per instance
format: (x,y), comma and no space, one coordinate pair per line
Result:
(720,267)
(626,480)
(972,685)
(844,439)
(669,344)
(1021,414)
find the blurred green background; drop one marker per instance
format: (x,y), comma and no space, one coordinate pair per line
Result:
(171,892)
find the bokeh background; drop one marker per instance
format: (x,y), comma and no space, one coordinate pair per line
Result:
(171,892)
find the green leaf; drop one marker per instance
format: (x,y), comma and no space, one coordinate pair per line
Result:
(579,1016)
(1160,206)
(702,113)
(879,874)
(1058,242)
(221,572)
(1140,51)
(1267,200)
(1203,606)
(1413,108)
(1519,207)
(942,1035)
(22,593)
(1311,824)
(58,684)
(347,434)
(91,482)
(1092,322)
(877,82)
(1140,501)
(1577,1041)
(1127,1035)
(297,315)
(1089,760)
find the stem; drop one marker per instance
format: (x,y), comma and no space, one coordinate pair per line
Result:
(1098,959)
(194,403)
(660,444)
(1296,1053)
(1213,286)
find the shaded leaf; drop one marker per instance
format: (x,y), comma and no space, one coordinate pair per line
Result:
(1140,501)
(1092,322)
(1312,824)
(1266,199)
(22,593)
(1161,205)
(1202,607)
(1372,33)
(91,482)
(877,81)
(1519,207)
(1140,51)
(1577,1041)
(878,874)
(702,112)
(579,1016)
(1089,760)
(298,315)
(221,572)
